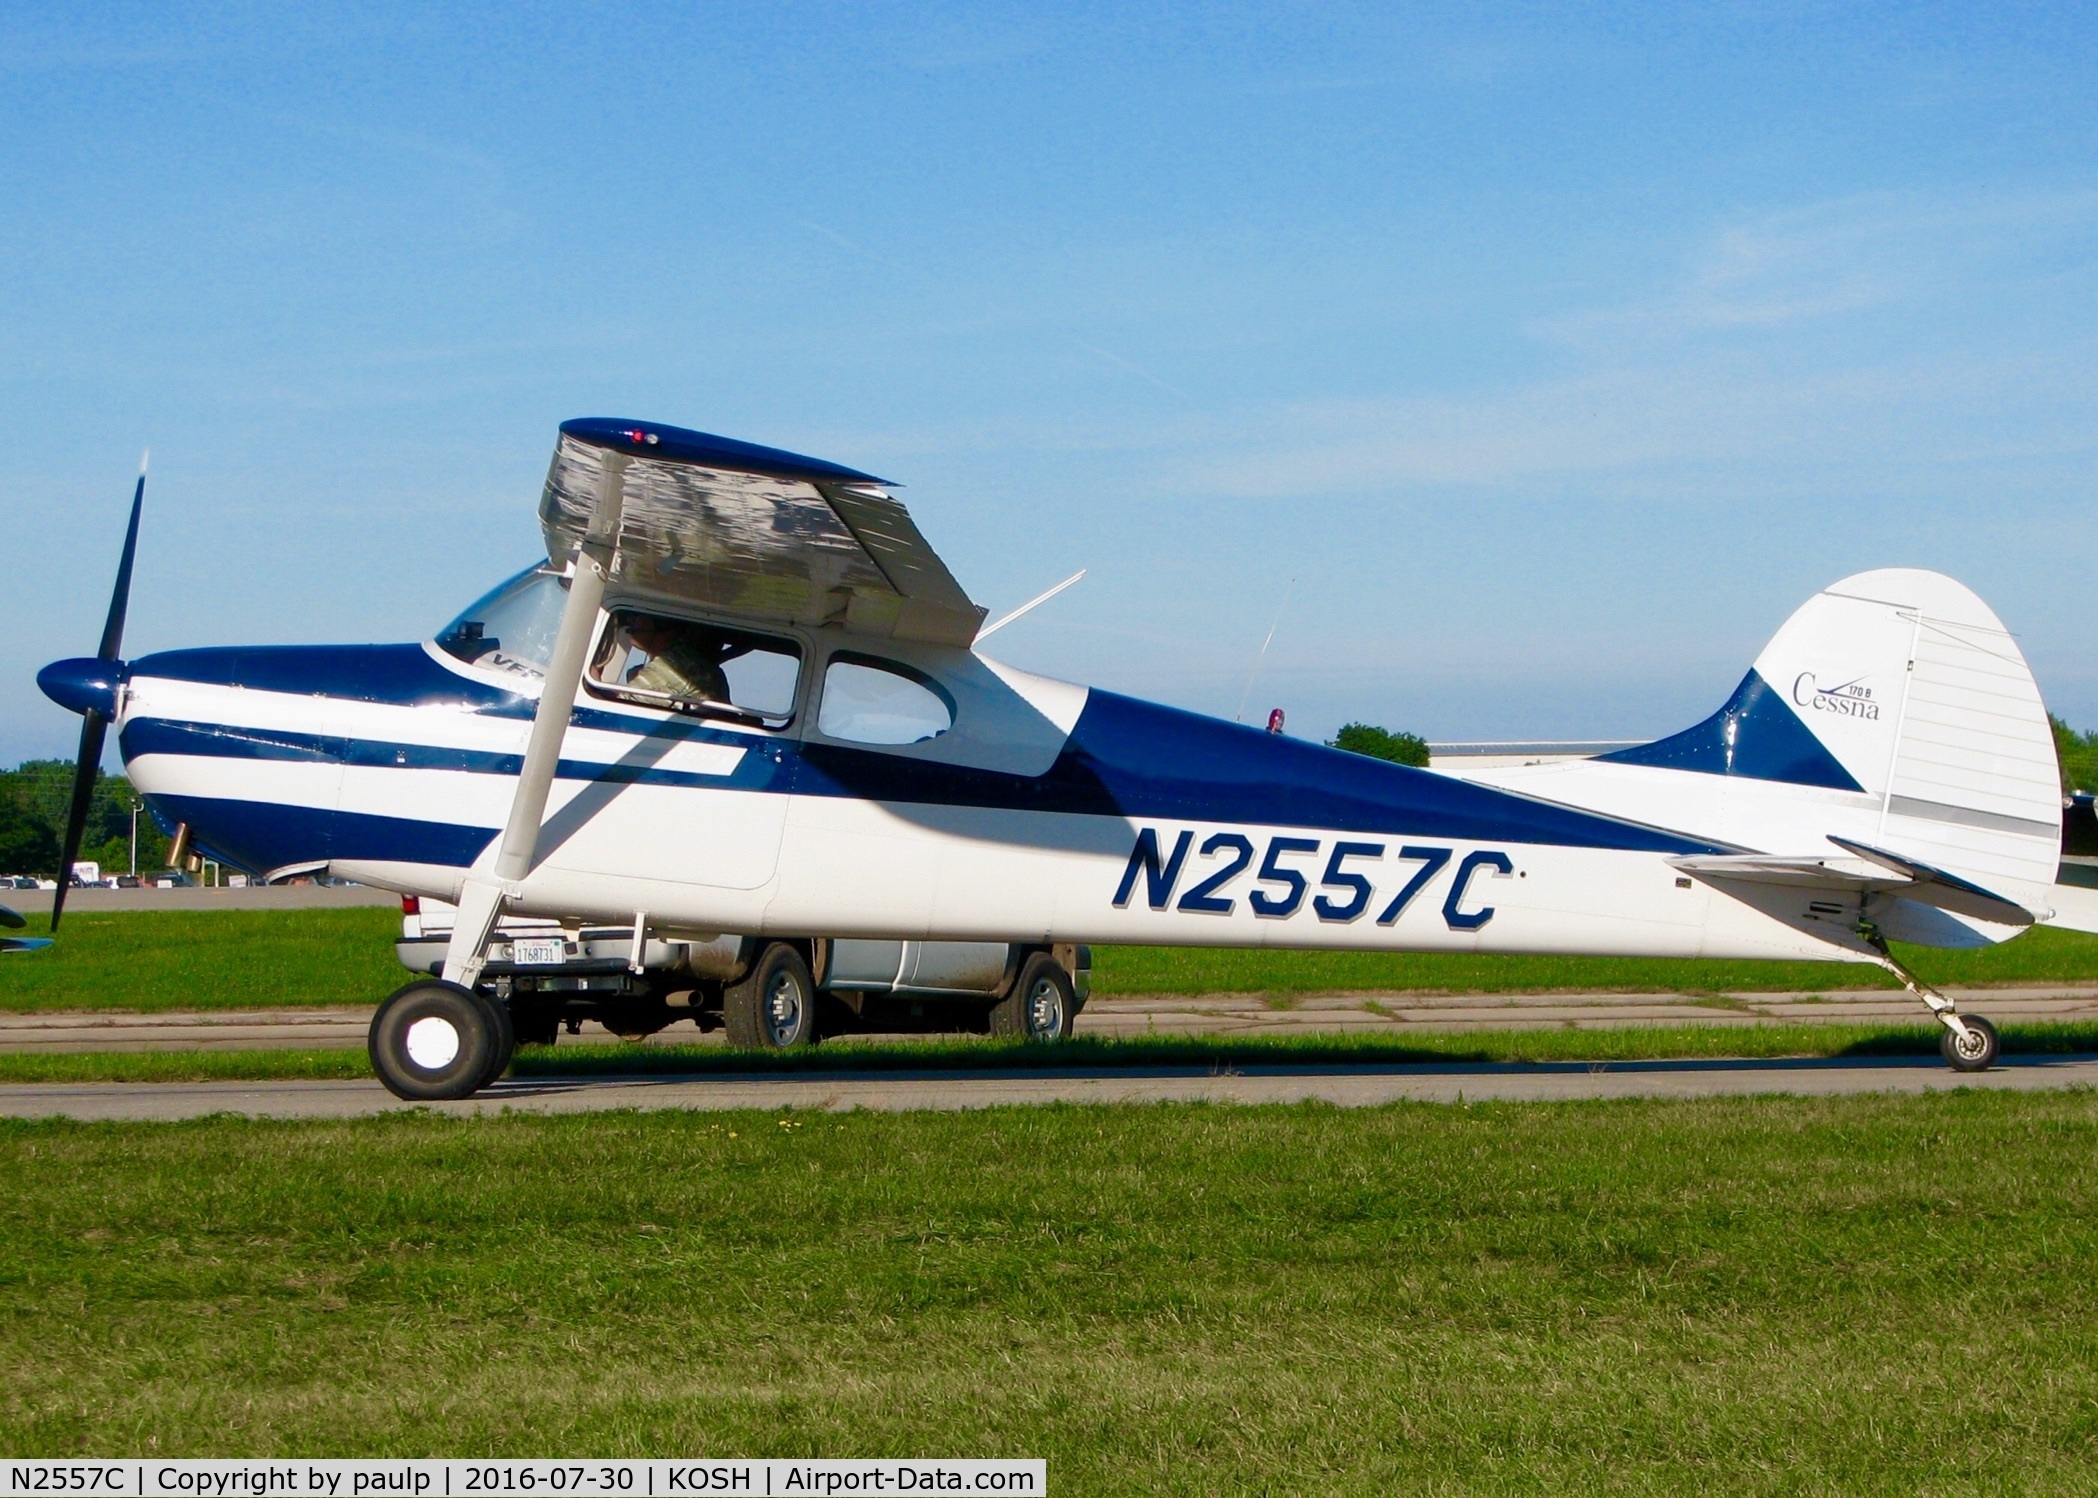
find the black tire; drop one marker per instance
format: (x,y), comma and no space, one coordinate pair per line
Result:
(433,1041)
(773,1007)
(1040,1006)
(505,1037)
(1971,1057)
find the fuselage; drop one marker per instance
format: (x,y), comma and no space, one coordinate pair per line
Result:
(1044,812)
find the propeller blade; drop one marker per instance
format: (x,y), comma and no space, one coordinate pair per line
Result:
(120,598)
(85,767)
(94,726)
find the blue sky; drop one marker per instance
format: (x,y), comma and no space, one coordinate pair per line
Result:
(1555,353)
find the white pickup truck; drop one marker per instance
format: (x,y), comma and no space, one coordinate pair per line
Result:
(766,993)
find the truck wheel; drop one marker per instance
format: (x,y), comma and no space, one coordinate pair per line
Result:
(535,1023)
(1040,1007)
(433,1041)
(773,1008)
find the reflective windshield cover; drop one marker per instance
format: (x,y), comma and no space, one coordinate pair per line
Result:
(511,627)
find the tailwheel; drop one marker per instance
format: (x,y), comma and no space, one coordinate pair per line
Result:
(1975,1051)
(434,1041)
(1969,1042)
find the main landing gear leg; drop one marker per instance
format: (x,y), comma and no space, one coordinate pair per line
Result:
(1969,1042)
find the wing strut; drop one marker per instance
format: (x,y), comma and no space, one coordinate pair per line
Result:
(481,895)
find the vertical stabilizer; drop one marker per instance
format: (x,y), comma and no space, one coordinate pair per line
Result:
(1904,686)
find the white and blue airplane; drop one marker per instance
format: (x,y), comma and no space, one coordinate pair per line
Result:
(741,694)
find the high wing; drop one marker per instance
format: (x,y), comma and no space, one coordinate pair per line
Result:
(750,530)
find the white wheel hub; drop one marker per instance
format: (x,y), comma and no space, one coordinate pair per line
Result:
(433,1043)
(1045,1009)
(783,1006)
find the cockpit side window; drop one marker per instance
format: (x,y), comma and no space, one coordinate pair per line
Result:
(871,701)
(704,669)
(511,627)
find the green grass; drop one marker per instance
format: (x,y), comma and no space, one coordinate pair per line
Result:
(246,959)
(186,1066)
(2042,955)
(1859,1295)
(959,1054)
(207,959)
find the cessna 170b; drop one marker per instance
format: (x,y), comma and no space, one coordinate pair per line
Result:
(741,695)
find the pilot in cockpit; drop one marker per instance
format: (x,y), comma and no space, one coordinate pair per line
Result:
(683,660)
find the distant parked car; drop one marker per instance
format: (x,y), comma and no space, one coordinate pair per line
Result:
(20,881)
(126,881)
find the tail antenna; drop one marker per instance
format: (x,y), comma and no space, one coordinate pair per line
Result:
(1254,675)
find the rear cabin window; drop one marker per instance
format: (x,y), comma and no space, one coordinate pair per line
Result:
(703,669)
(869,701)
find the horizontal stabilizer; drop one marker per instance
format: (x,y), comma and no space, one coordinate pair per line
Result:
(2074,908)
(24,943)
(1933,886)
(1868,871)
(1851,875)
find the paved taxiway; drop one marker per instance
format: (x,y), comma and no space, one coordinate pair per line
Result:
(1234,1016)
(1352,1087)
(270,897)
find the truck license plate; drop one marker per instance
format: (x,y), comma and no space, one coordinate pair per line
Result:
(538,951)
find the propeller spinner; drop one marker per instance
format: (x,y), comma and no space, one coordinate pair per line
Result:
(88,686)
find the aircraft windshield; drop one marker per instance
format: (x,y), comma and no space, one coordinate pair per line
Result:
(512,627)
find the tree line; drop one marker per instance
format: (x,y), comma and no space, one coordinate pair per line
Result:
(34,797)
(1400,748)
(2078,753)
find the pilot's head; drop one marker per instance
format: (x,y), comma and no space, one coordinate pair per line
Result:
(651,636)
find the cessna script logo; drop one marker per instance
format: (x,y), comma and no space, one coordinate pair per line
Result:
(1852,699)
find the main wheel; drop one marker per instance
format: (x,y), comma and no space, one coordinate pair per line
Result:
(1040,1007)
(433,1041)
(773,1008)
(505,1037)
(1975,1051)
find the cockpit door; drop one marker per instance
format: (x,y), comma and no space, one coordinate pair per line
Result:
(663,780)
(647,794)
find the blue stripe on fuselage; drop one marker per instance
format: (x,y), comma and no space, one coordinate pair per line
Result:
(398,675)
(754,772)
(1124,758)
(1142,761)
(264,835)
